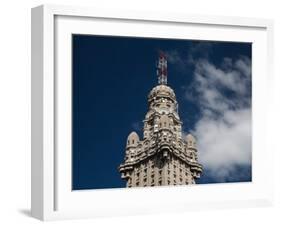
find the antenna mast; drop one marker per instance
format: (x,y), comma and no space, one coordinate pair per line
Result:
(162,68)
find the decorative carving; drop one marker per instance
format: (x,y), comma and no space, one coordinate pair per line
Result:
(149,162)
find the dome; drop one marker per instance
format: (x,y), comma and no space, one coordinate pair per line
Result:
(133,139)
(162,90)
(191,141)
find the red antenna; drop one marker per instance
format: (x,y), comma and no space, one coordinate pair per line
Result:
(162,72)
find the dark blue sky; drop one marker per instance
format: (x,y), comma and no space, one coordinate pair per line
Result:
(112,77)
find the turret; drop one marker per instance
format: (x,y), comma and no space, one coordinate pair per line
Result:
(132,139)
(191,141)
(191,147)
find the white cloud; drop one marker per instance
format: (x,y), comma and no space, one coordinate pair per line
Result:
(225,142)
(244,65)
(185,59)
(234,77)
(224,131)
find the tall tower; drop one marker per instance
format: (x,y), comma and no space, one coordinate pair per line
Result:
(163,156)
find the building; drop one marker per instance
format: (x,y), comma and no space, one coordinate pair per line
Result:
(163,156)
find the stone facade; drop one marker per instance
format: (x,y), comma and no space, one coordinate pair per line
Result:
(163,156)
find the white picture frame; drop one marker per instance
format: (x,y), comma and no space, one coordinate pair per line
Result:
(52,197)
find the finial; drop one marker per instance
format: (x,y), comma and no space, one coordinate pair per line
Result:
(162,68)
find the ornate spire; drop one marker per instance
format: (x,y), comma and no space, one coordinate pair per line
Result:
(161,156)
(162,71)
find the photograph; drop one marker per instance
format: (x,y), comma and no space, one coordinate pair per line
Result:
(149,112)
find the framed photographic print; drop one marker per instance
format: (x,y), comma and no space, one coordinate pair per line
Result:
(135,112)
